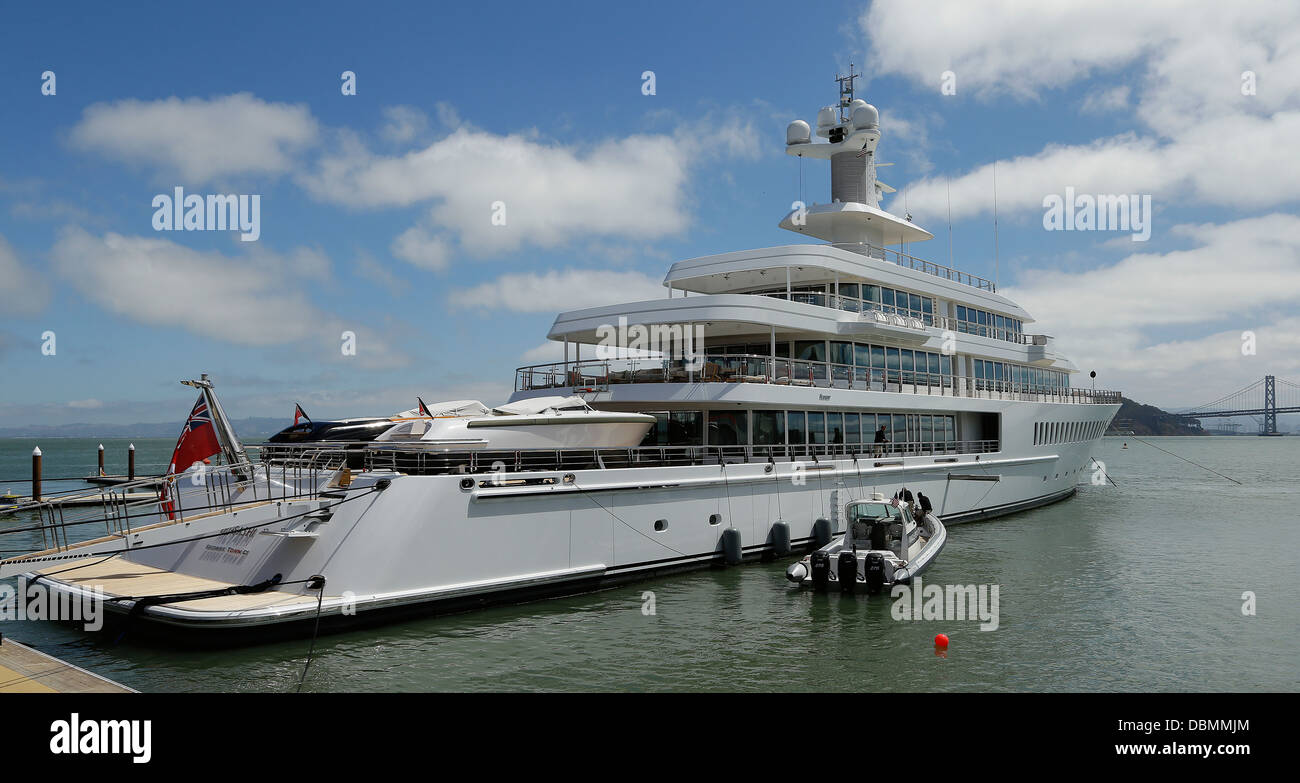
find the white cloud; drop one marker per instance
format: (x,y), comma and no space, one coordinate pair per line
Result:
(633,187)
(1238,276)
(1203,140)
(22,292)
(403,124)
(557,290)
(1106,100)
(248,300)
(419,247)
(256,298)
(199,139)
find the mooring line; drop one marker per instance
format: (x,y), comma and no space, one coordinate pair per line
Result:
(1185,459)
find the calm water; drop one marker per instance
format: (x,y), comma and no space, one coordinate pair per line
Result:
(1129,588)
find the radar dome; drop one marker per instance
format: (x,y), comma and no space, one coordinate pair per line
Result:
(827,118)
(866,117)
(797,132)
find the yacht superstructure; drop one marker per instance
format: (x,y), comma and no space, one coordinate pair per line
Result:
(785,383)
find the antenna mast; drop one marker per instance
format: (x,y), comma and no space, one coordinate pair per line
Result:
(846,92)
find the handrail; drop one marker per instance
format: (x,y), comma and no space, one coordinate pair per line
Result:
(756,368)
(919,264)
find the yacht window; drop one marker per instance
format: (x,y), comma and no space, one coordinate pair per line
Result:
(769,428)
(841,353)
(810,350)
(862,355)
(849,289)
(658,434)
(795,427)
(915,304)
(852,428)
(887,298)
(686,428)
(835,428)
(816,427)
(728,428)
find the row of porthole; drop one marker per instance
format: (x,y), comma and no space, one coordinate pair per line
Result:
(662,524)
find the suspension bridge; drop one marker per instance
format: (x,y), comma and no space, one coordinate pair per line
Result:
(1266,397)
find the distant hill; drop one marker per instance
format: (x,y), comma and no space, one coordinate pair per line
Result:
(252,428)
(1150,420)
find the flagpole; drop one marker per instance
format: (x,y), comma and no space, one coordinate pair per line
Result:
(231,448)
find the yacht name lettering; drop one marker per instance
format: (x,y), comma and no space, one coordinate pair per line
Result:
(213,212)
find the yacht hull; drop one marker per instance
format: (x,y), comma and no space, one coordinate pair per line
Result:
(443,543)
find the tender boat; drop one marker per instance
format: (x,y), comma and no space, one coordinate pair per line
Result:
(534,423)
(888,542)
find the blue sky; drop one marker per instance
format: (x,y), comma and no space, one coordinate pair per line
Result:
(375,207)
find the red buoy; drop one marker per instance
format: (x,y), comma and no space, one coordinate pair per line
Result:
(941,640)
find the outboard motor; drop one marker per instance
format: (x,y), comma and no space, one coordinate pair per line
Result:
(879,529)
(875,572)
(848,572)
(821,569)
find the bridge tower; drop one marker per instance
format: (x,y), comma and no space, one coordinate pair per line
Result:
(1270,406)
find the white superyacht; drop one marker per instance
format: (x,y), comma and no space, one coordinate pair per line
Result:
(793,382)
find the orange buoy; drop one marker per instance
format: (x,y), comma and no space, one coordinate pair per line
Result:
(941,640)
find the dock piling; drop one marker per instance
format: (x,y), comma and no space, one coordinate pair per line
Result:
(130,462)
(101,460)
(36,474)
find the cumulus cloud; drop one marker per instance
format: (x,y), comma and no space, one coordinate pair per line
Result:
(22,292)
(554,290)
(1202,139)
(255,298)
(1236,277)
(490,193)
(199,139)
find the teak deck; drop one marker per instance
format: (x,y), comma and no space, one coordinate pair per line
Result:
(24,670)
(120,577)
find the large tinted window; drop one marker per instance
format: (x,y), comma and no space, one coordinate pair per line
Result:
(795,426)
(810,350)
(685,428)
(816,427)
(769,428)
(728,428)
(835,428)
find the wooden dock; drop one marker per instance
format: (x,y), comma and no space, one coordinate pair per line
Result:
(76,501)
(24,670)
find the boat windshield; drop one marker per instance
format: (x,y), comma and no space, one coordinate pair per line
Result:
(873,510)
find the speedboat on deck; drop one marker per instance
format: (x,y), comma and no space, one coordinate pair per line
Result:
(537,422)
(888,542)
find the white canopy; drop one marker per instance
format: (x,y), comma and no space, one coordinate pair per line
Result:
(449,408)
(534,405)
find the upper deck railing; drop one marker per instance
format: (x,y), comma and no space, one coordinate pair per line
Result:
(600,374)
(919,264)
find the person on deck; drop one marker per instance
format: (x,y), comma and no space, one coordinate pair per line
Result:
(881,439)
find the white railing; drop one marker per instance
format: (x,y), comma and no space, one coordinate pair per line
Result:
(600,374)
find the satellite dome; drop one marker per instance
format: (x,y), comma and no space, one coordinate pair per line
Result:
(797,132)
(865,117)
(827,118)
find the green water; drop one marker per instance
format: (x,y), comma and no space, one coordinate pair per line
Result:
(1129,588)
